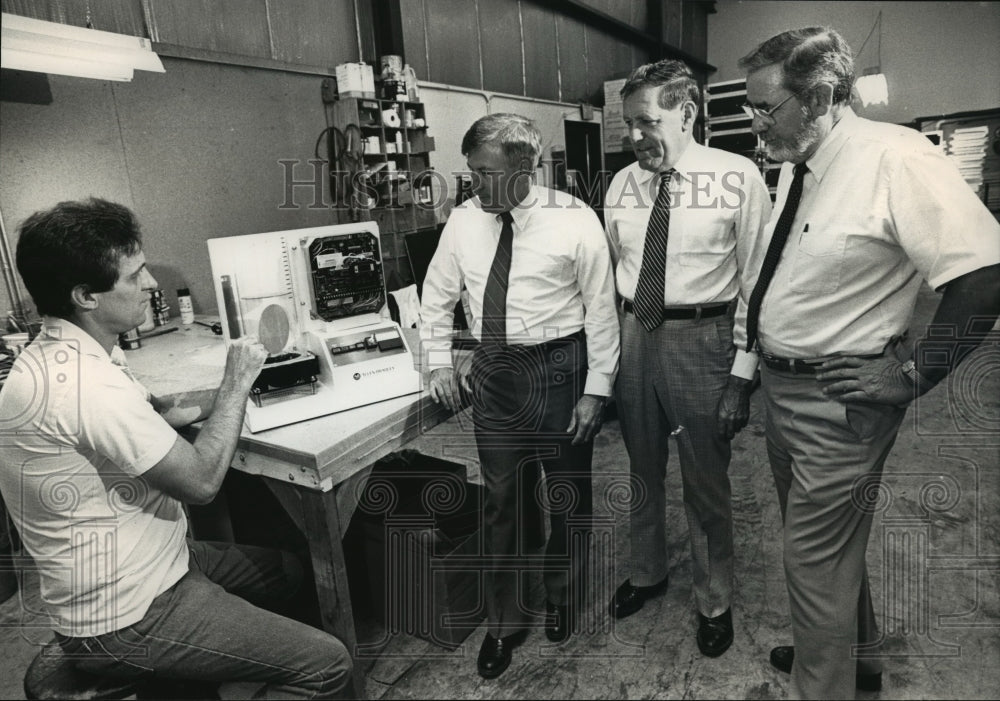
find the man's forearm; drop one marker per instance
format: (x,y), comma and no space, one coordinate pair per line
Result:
(968,310)
(216,441)
(185,408)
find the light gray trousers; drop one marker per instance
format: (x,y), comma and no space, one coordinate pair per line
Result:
(671,377)
(827,461)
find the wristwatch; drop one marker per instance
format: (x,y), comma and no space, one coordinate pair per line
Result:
(909,369)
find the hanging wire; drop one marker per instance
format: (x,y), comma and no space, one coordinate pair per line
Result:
(877,23)
(880,39)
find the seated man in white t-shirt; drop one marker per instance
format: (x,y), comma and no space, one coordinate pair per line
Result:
(94,478)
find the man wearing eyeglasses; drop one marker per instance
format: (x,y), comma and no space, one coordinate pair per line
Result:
(864,212)
(679,223)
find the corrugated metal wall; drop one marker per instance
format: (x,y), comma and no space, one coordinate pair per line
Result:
(518,46)
(196,152)
(308,33)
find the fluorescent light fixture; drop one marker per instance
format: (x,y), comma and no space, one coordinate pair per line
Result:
(48,47)
(872,88)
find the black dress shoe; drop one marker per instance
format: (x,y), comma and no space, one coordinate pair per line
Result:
(629,599)
(715,635)
(495,653)
(558,623)
(783,656)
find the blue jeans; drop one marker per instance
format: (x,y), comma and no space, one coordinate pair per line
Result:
(209,627)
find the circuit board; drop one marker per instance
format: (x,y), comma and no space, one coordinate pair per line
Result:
(346,275)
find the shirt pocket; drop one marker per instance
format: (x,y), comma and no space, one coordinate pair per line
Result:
(706,240)
(818,264)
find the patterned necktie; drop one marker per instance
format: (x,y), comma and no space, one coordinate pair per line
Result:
(648,301)
(773,255)
(494,329)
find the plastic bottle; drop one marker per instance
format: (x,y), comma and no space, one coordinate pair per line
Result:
(185,306)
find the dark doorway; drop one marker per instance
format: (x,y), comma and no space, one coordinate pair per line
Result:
(584,163)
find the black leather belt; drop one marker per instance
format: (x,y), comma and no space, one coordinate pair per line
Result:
(792,365)
(698,312)
(801,367)
(543,347)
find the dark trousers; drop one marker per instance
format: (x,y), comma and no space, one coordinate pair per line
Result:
(523,401)
(208,627)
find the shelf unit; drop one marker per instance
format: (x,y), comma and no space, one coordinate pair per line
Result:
(972,140)
(727,127)
(392,182)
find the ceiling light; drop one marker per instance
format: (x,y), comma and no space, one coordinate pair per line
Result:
(61,49)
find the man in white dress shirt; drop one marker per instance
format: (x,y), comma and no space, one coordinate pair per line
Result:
(680,222)
(536,267)
(867,212)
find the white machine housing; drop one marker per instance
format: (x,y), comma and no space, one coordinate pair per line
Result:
(363,357)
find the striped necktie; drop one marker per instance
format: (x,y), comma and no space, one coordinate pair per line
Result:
(773,255)
(494,328)
(648,301)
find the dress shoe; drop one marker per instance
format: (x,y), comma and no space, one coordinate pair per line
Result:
(715,635)
(494,655)
(629,599)
(558,622)
(783,656)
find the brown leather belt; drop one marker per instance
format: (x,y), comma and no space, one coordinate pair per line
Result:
(673,313)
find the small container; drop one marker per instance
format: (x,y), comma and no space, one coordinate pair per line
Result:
(161,312)
(149,323)
(185,306)
(130,340)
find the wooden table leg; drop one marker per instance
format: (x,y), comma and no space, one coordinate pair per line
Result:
(321,526)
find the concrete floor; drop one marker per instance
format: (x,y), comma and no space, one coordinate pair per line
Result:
(934,559)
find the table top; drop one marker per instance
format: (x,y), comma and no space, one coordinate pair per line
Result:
(318,453)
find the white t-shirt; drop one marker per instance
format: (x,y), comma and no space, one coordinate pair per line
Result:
(77,431)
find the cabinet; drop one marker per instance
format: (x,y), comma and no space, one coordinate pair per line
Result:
(381,162)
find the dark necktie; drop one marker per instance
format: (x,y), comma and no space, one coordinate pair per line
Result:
(494,329)
(648,301)
(773,255)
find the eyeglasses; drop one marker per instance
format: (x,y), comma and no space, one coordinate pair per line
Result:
(762,113)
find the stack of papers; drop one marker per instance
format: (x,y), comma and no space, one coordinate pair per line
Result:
(615,132)
(967,147)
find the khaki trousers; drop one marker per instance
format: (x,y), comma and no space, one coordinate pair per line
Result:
(827,460)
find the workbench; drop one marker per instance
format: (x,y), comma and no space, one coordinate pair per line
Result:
(316,469)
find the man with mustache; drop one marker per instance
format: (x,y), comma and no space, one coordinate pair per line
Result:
(867,211)
(679,223)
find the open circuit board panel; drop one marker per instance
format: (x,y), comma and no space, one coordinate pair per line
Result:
(346,275)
